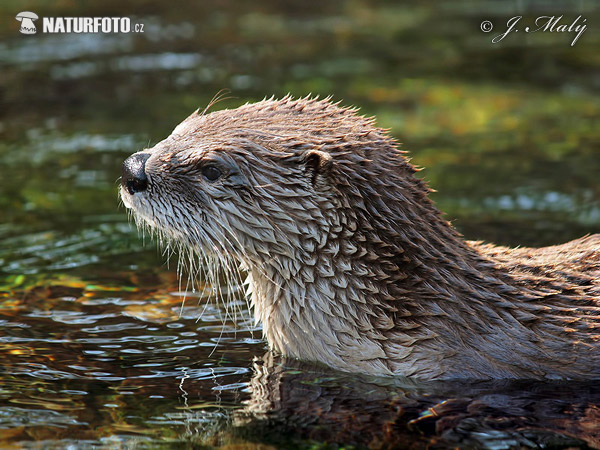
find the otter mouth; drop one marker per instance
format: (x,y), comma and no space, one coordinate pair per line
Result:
(147,217)
(126,198)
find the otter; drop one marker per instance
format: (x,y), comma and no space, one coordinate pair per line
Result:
(349,263)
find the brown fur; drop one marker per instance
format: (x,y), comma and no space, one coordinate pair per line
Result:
(349,261)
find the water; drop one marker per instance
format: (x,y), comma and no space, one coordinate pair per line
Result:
(99,350)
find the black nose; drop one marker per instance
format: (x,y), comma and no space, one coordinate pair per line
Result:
(134,177)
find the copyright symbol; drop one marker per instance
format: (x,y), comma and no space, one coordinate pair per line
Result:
(486,26)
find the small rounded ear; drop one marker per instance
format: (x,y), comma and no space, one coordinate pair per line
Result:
(317,163)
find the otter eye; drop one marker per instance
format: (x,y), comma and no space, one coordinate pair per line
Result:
(211,173)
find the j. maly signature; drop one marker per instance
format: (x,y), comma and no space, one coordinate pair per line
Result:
(550,24)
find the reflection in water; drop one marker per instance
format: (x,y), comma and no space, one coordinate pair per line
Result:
(291,398)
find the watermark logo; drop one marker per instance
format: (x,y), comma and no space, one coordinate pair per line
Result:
(26,18)
(548,24)
(78,24)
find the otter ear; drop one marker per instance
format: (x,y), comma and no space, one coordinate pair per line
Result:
(317,163)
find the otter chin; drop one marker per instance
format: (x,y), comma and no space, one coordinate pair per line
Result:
(348,261)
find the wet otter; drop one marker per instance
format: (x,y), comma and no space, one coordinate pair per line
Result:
(349,262)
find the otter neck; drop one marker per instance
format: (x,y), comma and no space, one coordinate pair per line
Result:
(359,299)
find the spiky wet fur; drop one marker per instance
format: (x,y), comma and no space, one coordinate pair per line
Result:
(349,263)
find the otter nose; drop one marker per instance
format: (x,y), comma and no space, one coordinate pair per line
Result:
(134,177)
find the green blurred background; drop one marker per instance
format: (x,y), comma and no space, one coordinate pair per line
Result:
(508,133)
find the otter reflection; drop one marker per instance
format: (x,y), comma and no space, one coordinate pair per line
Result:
(297,400)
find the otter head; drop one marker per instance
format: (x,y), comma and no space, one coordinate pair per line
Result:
(316,204)
(226,187)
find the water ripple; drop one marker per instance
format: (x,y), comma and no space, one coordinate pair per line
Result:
(11,416)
